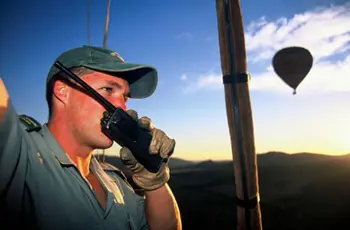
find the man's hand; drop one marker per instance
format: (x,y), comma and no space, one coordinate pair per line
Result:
(161,144)
(4,100)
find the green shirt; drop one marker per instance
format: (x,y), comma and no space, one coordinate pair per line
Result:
(40,187)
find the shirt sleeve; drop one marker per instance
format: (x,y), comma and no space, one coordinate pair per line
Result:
(13,156)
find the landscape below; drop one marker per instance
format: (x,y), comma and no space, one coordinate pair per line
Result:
(297,191)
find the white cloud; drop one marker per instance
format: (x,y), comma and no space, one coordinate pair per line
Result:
(209,81)
(184,36)
(324,31)
(206,81)
(209,38)
(325,77)
(183,77)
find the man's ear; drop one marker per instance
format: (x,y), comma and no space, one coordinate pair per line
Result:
(61,91)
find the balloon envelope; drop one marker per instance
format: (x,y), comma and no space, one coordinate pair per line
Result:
(292,64)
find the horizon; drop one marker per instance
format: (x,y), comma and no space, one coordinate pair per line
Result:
(181,40)
(98,154)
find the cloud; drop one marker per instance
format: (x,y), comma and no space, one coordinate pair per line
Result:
(324,31)
(325,77)
(206,81)
(183,77)
(209,38)
(184,36)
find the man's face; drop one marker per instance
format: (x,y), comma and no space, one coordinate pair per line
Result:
(85,113)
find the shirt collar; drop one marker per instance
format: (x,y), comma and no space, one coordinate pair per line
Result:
(55,147)
(63,158)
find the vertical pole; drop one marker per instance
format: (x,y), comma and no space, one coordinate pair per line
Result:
(239,113)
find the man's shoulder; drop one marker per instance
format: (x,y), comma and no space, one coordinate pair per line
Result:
(31,129)
(107,167)
(29,123)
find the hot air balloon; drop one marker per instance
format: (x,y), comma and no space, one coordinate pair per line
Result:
(292,64)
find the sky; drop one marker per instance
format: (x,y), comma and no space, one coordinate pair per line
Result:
(180,38)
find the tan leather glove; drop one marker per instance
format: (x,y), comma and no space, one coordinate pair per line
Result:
(161,144)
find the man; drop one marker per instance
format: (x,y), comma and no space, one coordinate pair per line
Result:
(49,178)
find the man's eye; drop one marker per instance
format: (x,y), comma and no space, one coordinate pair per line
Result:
(107,89)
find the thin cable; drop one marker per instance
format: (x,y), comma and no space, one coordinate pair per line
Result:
(88,20)
(106,25)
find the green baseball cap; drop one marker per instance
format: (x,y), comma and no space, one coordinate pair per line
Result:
(142,79)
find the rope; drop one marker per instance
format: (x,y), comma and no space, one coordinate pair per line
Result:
(103,156)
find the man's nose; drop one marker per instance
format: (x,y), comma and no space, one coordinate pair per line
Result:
(119,102)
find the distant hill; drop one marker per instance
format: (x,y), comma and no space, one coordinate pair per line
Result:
(174,163)
(298,191)
(281,158)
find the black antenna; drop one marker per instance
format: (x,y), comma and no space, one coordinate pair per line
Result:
(105,46)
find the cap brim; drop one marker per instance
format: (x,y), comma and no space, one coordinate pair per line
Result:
(142,79)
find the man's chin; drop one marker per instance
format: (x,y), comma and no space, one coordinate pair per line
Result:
(107,144)
(102,143)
